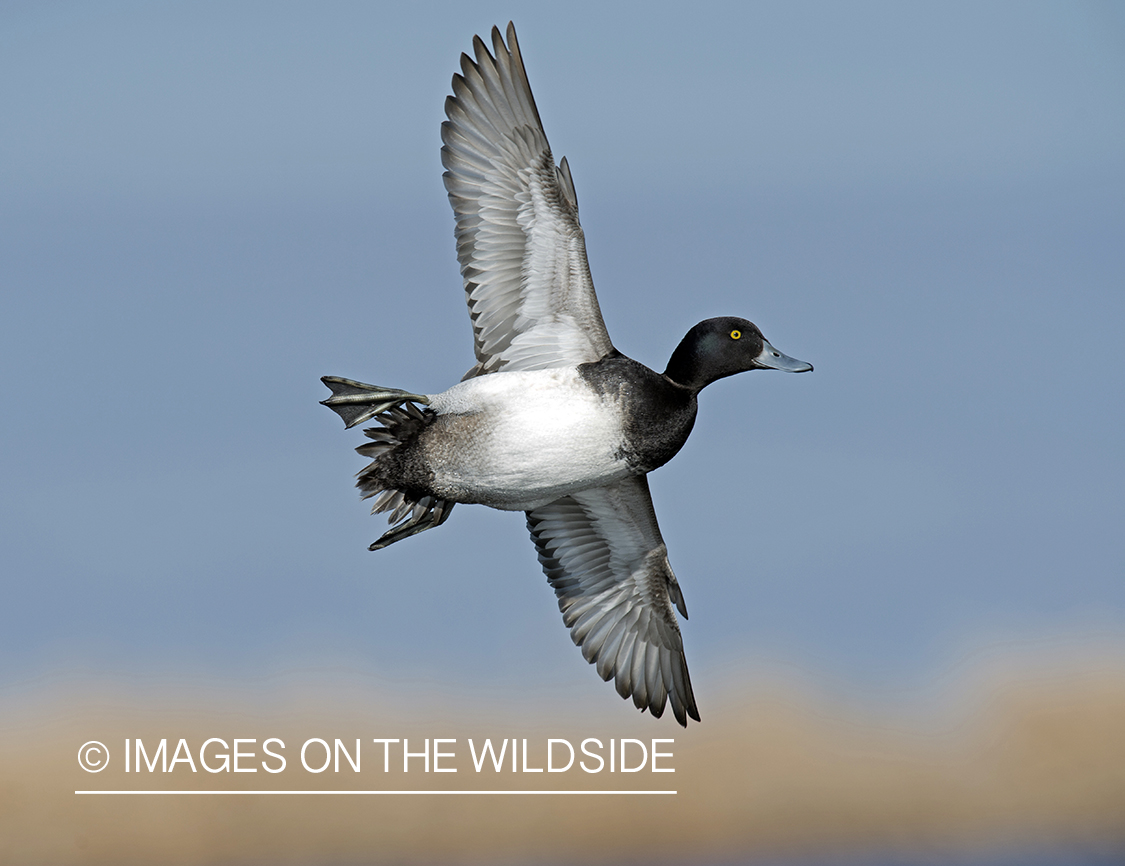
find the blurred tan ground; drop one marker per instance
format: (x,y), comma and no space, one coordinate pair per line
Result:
(1020,758)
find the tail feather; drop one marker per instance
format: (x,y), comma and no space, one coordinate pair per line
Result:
(401,419)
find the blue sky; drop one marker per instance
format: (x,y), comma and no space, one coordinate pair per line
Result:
(208,206)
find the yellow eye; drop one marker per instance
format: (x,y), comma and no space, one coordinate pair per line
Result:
(734,335)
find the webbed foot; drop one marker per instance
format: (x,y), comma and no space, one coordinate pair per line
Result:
(356,402)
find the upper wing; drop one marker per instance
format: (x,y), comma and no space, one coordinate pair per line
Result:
(602,552)
(522,252)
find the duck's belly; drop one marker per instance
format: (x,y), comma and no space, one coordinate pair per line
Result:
(519,440)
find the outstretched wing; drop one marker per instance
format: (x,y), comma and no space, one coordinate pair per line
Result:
(602,552)
(522,252)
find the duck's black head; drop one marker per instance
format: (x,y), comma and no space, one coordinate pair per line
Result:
(722,347)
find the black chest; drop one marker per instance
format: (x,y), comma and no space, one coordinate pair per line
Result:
(658,415)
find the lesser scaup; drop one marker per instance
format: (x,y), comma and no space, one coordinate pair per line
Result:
(552,420)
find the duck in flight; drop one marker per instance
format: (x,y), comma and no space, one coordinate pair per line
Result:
(551,420)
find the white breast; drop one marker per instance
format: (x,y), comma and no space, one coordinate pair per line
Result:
(519,440)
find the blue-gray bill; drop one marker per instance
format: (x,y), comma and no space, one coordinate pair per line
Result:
(772,359)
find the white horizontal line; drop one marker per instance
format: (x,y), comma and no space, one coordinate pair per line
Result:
(375,792)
